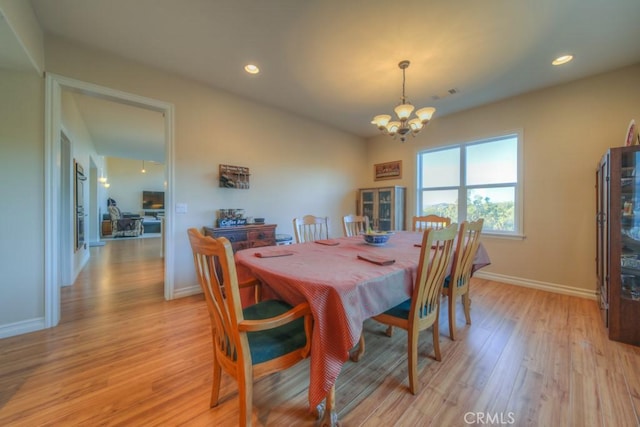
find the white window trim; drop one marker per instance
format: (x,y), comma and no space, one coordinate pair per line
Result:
(519,233)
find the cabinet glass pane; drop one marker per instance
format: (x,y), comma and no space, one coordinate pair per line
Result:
(630,226)
(385,196)
(368,204)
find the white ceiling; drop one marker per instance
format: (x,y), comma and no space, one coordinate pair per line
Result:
(121,130)
(335,61)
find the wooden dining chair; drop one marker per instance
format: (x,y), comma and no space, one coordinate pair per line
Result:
(422,310)
(421,223)
(310,228)
(248,343)
(457,284)
(353,225)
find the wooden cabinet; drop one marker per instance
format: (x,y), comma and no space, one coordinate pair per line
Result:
(618,242)
(106,227)
(385,207)
(243,237)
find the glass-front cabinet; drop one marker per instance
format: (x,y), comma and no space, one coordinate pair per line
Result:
(618,239)
(385,207)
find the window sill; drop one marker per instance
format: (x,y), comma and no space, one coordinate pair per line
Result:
(503,236)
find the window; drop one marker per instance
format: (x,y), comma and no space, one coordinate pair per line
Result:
(479,179)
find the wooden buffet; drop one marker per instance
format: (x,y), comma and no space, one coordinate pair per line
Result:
(245,236)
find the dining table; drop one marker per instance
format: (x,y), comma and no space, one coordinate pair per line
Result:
(345,280)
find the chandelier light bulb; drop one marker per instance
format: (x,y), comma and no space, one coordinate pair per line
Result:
(405,124)
(381,121)
(415,124)
(425,114)
(393,127)
(403,111)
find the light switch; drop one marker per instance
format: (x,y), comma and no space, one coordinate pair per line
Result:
(181,208)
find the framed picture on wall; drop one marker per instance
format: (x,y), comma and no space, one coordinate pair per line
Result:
(388,170)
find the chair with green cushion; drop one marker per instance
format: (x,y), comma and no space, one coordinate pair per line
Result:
(248,343)
(461,270)
(423,308)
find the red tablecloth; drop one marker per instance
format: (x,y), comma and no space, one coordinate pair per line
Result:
(341,289)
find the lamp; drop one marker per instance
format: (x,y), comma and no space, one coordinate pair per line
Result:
(404,124)
(143,169)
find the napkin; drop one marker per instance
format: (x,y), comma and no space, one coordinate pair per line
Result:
(328,242)
(272,254)
(376,259)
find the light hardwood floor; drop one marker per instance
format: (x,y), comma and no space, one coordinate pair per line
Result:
(124,356)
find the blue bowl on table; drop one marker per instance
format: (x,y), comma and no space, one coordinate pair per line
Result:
(377,238)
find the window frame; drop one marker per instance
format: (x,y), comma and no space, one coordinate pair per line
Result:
(463,188)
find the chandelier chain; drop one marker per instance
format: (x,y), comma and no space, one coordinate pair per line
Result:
(403,82)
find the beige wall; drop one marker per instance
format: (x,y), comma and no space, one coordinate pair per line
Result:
(297,166)
(127,182)
(566,130)
(22,200)
(82,151)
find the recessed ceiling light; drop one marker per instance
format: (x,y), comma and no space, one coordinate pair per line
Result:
(251,69)
(562,59)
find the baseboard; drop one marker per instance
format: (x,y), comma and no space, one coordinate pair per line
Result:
(534,284)
(23,327)
(187,292)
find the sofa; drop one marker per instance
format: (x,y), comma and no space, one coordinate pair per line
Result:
(124,225)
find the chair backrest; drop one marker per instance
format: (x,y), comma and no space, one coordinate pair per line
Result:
(352,225)
(114,212)
(310,228)
(435,256)
(216,273)
(421,223)
(466,248)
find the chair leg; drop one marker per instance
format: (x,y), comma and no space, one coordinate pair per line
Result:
(412,336)
(215,387)
(436,337)
(452,316)
(245,392)
(389,331)
(466,303)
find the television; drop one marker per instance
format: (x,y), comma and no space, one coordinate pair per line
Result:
(153,200)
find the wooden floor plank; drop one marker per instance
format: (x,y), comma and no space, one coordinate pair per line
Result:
(124,356)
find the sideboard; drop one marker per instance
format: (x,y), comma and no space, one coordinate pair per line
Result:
(245,236)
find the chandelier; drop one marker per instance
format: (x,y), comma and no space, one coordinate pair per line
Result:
(404,124)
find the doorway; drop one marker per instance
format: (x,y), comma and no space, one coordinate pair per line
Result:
(55,85)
